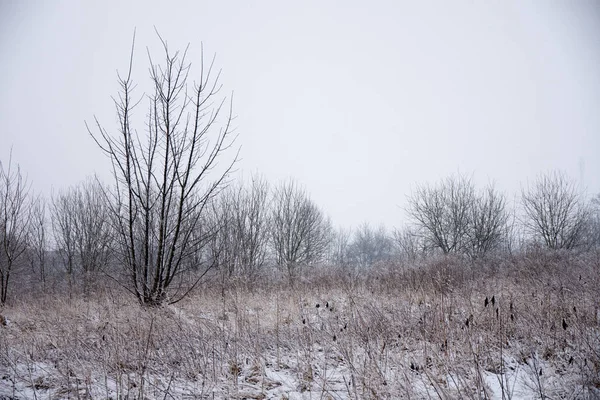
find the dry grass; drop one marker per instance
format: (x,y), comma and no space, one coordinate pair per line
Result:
(395,332)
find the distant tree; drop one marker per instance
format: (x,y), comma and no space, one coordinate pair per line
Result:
(370,246)
(241,219)
(339,245)
(166,177)
(592,231)
(220,249)
(443,213)
(251,222)
(596,219)
(489,222)
(93,233)
(14,222)
(554,211)
(300,232)
(455,218)
(82,230)
(409,244)
(38,238)
(63,215)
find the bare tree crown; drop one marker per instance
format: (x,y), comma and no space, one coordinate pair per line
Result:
(554,211)
(165,177)
(454,217)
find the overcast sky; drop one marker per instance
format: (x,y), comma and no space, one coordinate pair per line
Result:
(357,100)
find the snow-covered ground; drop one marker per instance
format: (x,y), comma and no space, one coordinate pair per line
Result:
(371,339)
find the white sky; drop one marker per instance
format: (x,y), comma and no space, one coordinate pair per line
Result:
(358,101)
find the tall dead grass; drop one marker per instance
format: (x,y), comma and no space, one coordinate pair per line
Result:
(445,328)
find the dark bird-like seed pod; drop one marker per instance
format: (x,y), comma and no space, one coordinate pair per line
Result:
(512,317)
(493,300)
(318,305)
(303,321)
(571,360)
(564,324)
(334,338)
(511,306)
(575,309)
(540,372)
(327,305)
(486,302)
(496,313)
(467,322)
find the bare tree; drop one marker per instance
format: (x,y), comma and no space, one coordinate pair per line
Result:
(409,244)
(93,233)
(251,226)
(240,219)
(594,222)
(14,222)
(489,222)
(300,232)
(456,218)
(222,248)
(63,214)
(443,213)
(163,178)
(339,245)
(82,230)
(370,246)
(38,239)
(554,211)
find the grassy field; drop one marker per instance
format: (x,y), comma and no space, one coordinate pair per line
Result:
(444,328)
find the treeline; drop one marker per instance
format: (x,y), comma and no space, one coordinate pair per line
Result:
(250,230)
